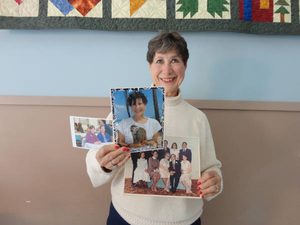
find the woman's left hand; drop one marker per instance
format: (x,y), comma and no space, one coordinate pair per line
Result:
(209,184)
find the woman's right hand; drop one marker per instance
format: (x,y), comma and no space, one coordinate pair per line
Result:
(110,155)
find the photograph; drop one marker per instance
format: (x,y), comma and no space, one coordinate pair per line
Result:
(138,117)
(169,172)
(90,133)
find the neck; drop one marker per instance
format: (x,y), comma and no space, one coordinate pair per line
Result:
(172,94)
(138,119)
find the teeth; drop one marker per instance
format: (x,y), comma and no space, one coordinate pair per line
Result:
(168,79)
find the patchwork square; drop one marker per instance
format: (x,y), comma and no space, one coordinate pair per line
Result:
(19,8)
(202,9)
(77,8)
(155,9)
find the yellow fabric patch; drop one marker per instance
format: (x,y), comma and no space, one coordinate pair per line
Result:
(135,5)
(264,4)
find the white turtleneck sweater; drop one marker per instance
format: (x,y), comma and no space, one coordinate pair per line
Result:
(181,119)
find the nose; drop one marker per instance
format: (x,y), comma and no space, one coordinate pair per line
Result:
(167,69)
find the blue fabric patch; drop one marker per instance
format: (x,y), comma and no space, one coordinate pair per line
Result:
(247,10)
(63,5)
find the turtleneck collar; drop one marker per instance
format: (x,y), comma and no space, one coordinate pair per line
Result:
(172,101)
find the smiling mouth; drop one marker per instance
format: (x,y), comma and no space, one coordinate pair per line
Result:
(167,79)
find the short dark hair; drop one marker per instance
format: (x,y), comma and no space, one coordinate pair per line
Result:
(92,127)
(131,100)
(185,154)
(166,41)
(154,151)
(184,143)
(166,141)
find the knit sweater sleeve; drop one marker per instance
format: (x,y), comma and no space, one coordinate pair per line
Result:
(209,160)
(97,176)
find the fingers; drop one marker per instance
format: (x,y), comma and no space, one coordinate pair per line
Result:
(112,156)
(209,184)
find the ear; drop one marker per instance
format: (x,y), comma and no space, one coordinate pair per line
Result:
(149,65)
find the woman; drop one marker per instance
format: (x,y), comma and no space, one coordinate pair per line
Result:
(91,136)
(138,102)
(186,175)
(79,128)
(154,170)
(141,175)
(103,136)
(164,171)
(167,60)
(174,150)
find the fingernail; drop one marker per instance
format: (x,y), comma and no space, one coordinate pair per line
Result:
(129,156)
(202,196)
(117,147)
(199,183)
(124,149)
(200,192)
(128,149)
(198,188)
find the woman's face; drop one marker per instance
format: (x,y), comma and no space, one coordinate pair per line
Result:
(142,155)
(167,156)
(155,154)
(102,129)
(184,157)
(168,69)
(93,130)
(139,107)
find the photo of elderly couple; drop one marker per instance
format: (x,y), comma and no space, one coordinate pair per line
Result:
(166,172)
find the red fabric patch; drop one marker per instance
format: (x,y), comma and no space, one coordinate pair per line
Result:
(84,6)
(241,9)
(262,15)
(19,1)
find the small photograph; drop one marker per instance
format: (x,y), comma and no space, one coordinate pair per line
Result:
(138,117)
(90,133)
(169,172)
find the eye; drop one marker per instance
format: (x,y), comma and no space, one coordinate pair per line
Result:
(159,61)
(175,60)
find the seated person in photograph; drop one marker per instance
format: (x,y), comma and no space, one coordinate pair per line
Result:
(185,150)
(162,152)
(79,128)
(153,169)
(91,136)
(174,150)
(75,126)
(164,171)
(108,129)
(186,176)
(103,136)
(138,130)
(175,172)
(141,175)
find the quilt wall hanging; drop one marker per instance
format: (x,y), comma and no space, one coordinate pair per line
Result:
(248,16)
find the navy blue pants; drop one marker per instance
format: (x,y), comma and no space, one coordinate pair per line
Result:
(114,218)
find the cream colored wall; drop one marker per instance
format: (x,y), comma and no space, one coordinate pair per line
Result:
(44,180)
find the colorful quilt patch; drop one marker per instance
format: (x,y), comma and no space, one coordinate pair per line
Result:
(202,9)
(78,8)
(19,8)
(265,10)
(155,9)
